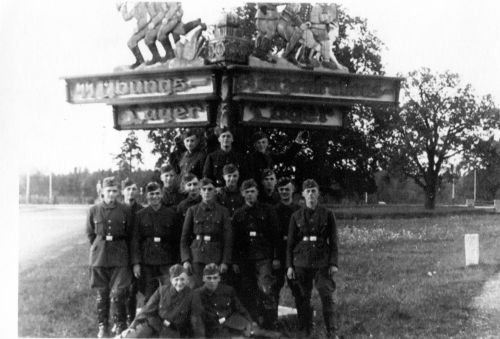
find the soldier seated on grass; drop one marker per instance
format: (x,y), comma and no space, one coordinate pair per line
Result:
(167,313)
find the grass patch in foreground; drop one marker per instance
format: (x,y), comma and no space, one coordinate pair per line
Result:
(399,278)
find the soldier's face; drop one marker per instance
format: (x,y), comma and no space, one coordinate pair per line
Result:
(231,179)
(109,194)
(311,196)
(168,178)
(212,281)
(154,198)
(269,182)
(286,192)
(208,193)
(261,145)
(226,140)
(179,282)
(250,195)
(192,187)
(130,192)
(191,143)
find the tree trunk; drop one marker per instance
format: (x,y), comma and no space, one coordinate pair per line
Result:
(430,198)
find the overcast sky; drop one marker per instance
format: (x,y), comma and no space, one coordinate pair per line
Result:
(43,41)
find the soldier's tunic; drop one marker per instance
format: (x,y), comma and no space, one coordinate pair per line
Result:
(165,304)
(109,229)
(185,204)
(232,200)
(192,163)
(271,200)
(218,313)
(312,247)
(217,160)
(156,245)
(256,244)
(131,303)
(172,197)
(206,237)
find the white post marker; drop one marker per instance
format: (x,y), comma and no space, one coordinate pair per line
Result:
(471,249)
(497,206)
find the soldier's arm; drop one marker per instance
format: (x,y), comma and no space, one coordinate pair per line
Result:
(156,12)
(290,243)
(197,323)
(208,167)
(187,230)
(90,226)
(150,310)
(274,225)
(135,242)
(228,237)
(333,239)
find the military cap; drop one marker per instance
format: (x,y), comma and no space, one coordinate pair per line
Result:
(211,269)
(309,183)
(189,133)
(109,182)
(176,270)
(127,182)
(166,168)
(266,172)
(206,181)
(152,186)
(284,181)
(188,177)
(248,184)
(259,135)
(229,168)
(220,130)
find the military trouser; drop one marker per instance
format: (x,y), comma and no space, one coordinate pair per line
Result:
(131,302)
(325,286)
(153,276)
(112,285)
(256,291)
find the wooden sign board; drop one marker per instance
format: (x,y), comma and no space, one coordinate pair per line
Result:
(163,115)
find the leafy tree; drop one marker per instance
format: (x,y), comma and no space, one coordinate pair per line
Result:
(130,152)
(439,120)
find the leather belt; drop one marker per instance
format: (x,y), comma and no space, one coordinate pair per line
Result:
(311,238)
(112,237)
(205,237)
(156,239)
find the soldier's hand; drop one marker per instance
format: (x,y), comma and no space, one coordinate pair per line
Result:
(137,270)
(332,270)
(290,273)
(166,323)
(187,266)
(236,269)
(276,264)
(223,268)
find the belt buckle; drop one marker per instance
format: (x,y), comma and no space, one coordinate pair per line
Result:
(207,238)
(305,239)
(313,238)
(156,239)
(253,233)
(109,238)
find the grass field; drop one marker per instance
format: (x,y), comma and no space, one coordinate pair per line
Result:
(399,278)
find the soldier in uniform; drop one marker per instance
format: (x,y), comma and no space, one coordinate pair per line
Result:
(284,210)
(193,159)
(216,310)
(206,234)
(230,195)
(168,311)
(312,256)
(269,195)
(191,185)
(171,195)
(256,242)
(225,155)
(156,241)
(109,229)
(130,192)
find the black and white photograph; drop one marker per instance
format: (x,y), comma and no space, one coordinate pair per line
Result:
(231,169)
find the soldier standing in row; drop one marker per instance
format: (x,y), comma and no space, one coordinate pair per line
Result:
(230,195)
(312,256)
(130,192)
(171,194)
(191,185)
(156,241)
(284,210)
(193,159)
(109,230)
(268,193)
(225,155)
(206,234)
(255,228)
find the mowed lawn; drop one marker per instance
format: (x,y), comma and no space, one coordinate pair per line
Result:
(399,278)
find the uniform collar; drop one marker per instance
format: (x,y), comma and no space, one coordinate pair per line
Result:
(208,206)
(109,206)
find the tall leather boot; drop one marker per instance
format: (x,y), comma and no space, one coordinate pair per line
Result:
(118,312)
(138,57)
(131,303)
(156,55)
(102,313)
(329,317)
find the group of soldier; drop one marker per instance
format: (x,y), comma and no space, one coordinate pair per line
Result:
(210,255)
